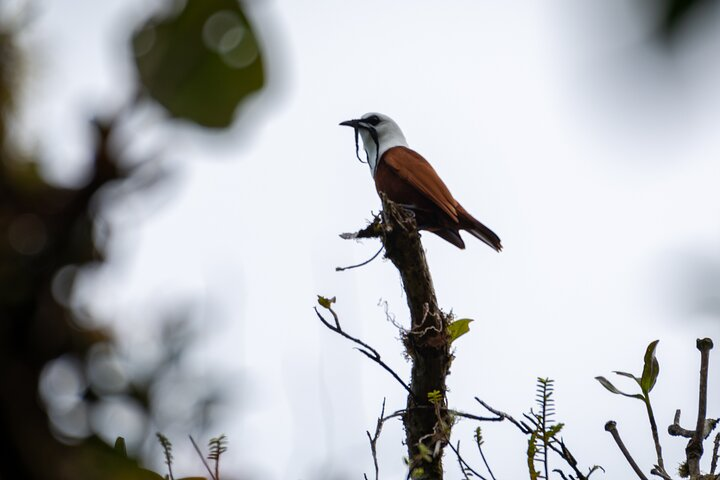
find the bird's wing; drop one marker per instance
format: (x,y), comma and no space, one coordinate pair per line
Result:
(414,169)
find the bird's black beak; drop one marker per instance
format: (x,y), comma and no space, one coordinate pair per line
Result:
(353,123)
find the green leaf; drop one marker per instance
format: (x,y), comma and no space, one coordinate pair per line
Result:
(325,302)
(651,369)
(629,375)
(458,328)
(606,383)
(201,62)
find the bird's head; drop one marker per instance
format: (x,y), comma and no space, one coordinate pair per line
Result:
(379,133)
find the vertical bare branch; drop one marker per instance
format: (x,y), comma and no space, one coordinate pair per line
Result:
(427,344)
(694,449)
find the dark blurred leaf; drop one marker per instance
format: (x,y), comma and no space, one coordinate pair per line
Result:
(651,369)
(120,446)
(201,63)
(674,14)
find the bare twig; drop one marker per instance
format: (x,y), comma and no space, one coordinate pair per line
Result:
(521,426)
(676,430)
(561,450)
(716,445)
(470,416)
(611,427)
(342,269)
(694,449)
(202,457)
(366,349)
(374,438)
(478,442)
(464,466)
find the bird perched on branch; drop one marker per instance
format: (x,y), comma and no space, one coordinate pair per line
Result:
(406,178)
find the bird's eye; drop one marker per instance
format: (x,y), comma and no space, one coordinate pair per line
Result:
(373,120)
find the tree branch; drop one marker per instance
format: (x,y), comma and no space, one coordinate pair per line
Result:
(611,427)
(366,349)
(426,342)
(694,449)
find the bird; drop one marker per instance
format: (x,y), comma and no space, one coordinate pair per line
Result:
(406,178)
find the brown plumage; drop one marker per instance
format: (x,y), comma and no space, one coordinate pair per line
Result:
(409,180)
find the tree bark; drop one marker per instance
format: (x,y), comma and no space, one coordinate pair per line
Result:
(427,343)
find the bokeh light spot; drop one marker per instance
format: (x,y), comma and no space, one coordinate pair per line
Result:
(61,388)
(62,284)
(224,32)
(119,416)
(105,371)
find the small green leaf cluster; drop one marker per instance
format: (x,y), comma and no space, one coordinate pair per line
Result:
(325,302)
(646,381)
(435,397)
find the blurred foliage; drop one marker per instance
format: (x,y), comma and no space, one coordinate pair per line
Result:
(58,373)
(201,63)
(674,15)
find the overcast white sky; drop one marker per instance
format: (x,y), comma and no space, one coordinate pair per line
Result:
(594,159)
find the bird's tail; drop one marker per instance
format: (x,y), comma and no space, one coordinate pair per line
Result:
(478,230)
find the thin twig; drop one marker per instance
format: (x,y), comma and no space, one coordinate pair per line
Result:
(373,439)
(342,269)
(460,461)
(523,428)
(470,416)
(202,457)
(562,451)
(482,455)
(716,445)
(464,466)
(366,349)
(611,427)
(565,454)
